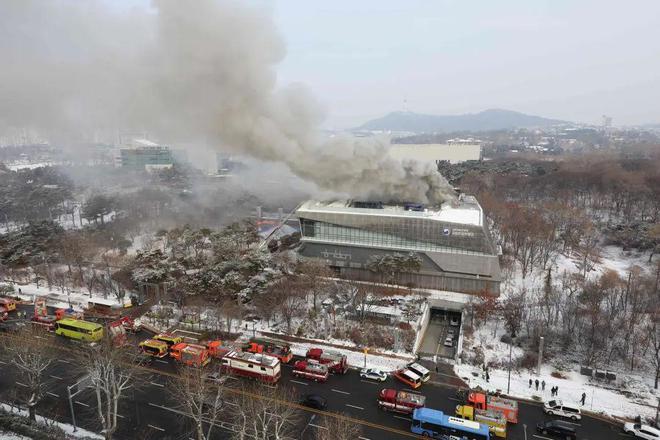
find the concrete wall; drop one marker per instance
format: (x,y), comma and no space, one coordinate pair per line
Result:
(422,325)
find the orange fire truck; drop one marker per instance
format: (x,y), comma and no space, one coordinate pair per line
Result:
(311,369)
(192,355)
(335,361)
(217,350)
(400,401)
(408,377)
(261,367)
(508,407)
(168,338)
(41,316)
(280,350)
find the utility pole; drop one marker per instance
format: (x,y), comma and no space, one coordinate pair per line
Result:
(538,367)
(508,382)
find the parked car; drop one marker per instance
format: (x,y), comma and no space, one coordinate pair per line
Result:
(449,341)
(642,431)
(454,321)
(451,332)
(556,407)
(314,401)
(373,374)
(556,428)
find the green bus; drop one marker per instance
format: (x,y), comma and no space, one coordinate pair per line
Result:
(80,330)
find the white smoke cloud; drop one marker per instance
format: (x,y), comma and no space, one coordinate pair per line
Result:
(202,72)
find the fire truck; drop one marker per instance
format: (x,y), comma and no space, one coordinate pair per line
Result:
(335,361)
(192,355)
(400,401)
(280,350)
(8,304)
(508,407)
(155,348)
(261,367)
(494,419)
(311,369)
(408,377)
(41,316)
(117,333)
(217,350)
(129,324)
(168,338)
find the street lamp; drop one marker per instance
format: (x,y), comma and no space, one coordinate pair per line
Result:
(508,384)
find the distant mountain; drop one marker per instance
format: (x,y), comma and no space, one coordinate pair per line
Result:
(493,119)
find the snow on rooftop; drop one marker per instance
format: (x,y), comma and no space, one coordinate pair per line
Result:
(145,143)
(465,210)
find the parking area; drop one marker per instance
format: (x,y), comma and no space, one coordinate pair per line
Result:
(441,337)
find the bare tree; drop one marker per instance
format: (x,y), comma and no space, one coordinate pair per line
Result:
(314,274)
(31,354)
(338,427)
(111,375)
(199,399)
(265,413)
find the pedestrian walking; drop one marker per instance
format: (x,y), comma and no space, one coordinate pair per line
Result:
(487,376)
(19,291)
(584,397)
(543,385)
(557,390)
(552,391)
(536,382)
(530,382)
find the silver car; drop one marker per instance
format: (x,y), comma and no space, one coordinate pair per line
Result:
(373,374)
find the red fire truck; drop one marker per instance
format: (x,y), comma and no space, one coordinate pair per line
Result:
(262,367)
(311,369)
(335,361)
(190,354)
(280,350)
(400,401)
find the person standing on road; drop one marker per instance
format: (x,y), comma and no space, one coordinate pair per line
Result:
(536,382)
(556,390)
(584,397)
(543,385)
(530,382)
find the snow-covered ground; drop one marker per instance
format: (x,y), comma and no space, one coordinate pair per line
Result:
(598,399)
(68,429)
(77,299)
(11,436)
(635,395)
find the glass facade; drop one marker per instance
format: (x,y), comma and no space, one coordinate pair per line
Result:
(399,233)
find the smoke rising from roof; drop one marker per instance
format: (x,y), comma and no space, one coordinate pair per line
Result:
(203,72)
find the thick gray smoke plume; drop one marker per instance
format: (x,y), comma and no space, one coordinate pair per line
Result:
(202,71)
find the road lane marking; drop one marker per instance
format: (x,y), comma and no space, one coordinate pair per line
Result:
(298,382)
(21,384)
(120,416)
(81,403)
(161,361)
(317,426)
(354,406)
(454,399)
(540,436)
(363,438)
(157,384)
(371,382)
(56,377)
(64,361)
(339,391)
(156,427)
(407,419)
(52,394)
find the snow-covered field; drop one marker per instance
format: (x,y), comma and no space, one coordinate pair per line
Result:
(68,429)
(632,397)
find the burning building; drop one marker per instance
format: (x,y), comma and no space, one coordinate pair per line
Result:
(451,241)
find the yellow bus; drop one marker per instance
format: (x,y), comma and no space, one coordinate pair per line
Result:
(77,329)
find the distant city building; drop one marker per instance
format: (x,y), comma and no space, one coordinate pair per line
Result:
(144,154)
(454,151)
(225,164)
(452,241)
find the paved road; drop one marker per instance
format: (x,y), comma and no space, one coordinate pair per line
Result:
(150,411)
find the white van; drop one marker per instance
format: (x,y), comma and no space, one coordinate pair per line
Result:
(419,370)
(556,407)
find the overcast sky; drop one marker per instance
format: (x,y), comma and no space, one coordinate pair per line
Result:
(569,59)
(574,59)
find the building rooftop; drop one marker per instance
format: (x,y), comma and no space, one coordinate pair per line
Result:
(464,210)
